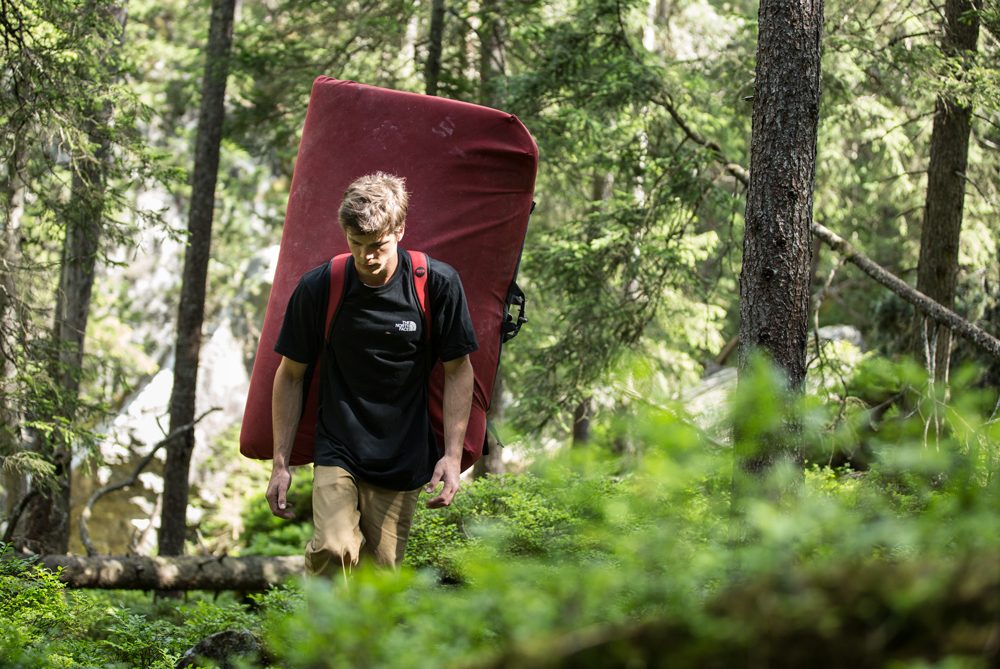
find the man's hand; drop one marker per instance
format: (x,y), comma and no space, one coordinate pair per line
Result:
(277,492)
(447,471)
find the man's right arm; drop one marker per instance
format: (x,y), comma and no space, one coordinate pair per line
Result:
(286,408)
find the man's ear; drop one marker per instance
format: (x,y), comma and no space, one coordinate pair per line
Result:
(399,234)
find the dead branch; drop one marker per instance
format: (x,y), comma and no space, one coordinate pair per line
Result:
(16,514)
(125,483)
(928,307)
(925,305)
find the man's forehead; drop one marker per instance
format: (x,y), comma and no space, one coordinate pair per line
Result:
(371,238)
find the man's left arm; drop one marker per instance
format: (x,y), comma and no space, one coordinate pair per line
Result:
(458,385)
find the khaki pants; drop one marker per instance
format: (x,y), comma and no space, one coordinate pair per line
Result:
(354,519)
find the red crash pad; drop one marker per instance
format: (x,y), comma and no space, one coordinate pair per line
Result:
(470,171)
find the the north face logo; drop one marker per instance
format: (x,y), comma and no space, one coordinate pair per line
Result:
(406,326)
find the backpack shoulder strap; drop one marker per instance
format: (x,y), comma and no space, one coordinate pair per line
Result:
(421,271)
(338,282)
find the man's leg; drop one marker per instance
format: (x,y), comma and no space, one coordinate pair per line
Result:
(386,518)
(337,539)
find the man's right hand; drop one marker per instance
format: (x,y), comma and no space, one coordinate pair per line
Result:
(277,493)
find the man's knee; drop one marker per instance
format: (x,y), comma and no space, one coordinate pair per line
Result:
(337,539)
(331,551)
(386,519)
(386,550)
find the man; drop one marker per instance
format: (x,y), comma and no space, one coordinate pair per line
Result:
(374,444)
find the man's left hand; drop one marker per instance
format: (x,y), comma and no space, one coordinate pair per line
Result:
(447,471)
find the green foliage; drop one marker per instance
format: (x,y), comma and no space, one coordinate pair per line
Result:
(654,550)
(266,534)
(48,626)
(72,153)
(613,256)
(511,511)
(30,598)
(638,556)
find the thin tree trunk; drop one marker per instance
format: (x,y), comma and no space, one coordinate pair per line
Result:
(581,423)
(432,69)
(491,70)
(14,483)
(47,519)
(191,313)
(937,268)
(600,190)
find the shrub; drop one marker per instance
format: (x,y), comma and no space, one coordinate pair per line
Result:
(579,564)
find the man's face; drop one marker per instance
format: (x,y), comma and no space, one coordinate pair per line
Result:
(375,256)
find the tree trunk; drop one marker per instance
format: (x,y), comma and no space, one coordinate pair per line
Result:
(777,252)
(774,282)
(14,484)
(491,69)
(581,423)
(47,520)
(432,69)
(132,572)
(600,190)
(937,268)
(191,313)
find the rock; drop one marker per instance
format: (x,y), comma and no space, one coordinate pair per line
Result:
(847,333)
(707,402)
(223,648)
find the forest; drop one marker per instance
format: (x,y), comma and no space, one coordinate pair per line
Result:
(753,418)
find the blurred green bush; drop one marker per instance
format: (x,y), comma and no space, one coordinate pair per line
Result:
(593,560)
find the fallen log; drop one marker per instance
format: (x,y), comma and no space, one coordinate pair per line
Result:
(187,572)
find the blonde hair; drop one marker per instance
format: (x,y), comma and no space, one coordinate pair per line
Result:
(375,204)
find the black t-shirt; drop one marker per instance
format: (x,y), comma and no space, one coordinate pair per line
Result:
(373,417)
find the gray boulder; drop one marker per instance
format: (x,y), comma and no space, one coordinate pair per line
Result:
(223,648)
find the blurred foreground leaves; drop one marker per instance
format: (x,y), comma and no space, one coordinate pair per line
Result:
(594,560)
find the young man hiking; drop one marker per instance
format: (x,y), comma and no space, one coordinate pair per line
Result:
(375,447)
